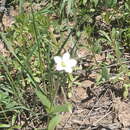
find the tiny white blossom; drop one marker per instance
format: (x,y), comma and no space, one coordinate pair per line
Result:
(65,63)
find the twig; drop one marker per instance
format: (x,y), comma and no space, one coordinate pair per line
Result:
(103,116)
(91,111)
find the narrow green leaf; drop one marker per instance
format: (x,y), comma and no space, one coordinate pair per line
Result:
(105,73)
(128,2)
(21,6)
(62,6)
(95,2)
(111,3)
(44,100)
(84,2)
(69,6)
(113,34)
(117,50)
(4,125)
(15,127)
(125,93)
(54,122)
(62,108)
(105,35)
(114,2)
(14,109)
(13,119)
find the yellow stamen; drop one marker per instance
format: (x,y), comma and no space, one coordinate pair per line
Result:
(63,64)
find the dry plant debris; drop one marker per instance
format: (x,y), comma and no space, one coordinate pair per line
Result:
(123,111)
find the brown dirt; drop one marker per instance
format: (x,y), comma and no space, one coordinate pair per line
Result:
(94,107)
(97,107)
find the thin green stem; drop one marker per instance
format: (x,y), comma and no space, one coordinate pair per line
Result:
(37,40)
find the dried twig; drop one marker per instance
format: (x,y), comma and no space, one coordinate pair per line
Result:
(91,111)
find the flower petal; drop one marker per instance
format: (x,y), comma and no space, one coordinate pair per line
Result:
(59,67)
(57,59)
(66,56)
(68,69)
(72,62)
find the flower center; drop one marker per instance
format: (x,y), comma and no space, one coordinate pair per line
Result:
(63,64)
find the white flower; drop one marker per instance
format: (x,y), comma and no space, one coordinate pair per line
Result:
(65,63)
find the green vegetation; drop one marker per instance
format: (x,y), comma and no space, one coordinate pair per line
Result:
(29,80)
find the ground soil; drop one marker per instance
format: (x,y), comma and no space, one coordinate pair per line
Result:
(95,107)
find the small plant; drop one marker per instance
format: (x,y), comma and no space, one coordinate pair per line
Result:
(62,63)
